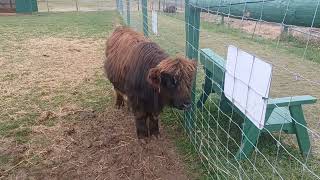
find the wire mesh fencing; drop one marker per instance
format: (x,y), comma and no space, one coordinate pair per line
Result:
(219,135)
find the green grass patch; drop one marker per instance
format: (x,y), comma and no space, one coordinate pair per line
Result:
(66,24)
(4,159)
(96,94)
(7,127)
(22,135)
(184,146)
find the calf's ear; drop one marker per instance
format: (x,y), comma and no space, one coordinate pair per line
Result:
(194,63)
(153,78)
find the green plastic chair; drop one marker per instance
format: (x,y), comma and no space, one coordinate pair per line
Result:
(283,114)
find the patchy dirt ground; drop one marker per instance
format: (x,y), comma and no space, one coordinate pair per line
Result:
(7,14)
(96,146)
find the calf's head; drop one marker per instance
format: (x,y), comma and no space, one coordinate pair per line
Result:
(173,79)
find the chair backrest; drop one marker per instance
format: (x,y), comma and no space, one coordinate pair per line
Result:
(215,66)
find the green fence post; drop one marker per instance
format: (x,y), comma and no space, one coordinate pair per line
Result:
(47,5)
(128,12)
(145,17)
(121,7)
(77,5)
(192,25)
(117,4)
(34,6)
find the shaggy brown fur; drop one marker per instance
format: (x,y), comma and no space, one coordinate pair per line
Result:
(141,70)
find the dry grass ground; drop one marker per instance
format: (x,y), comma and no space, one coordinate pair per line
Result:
(266,30)
(57,119)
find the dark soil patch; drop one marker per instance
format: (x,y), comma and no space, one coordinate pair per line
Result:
(99,146)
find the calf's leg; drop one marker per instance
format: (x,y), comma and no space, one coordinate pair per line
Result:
(129,106)
(154,125)
(141,124)
(119,99)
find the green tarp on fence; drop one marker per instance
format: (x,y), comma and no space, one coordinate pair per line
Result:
(26,6)
(290,12)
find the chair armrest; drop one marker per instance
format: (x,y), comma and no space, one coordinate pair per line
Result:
(209,59)
(290,101)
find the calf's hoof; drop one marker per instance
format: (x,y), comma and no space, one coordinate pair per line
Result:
(129,109)
(155,133)
(142,134)
(143,141)
(119,105)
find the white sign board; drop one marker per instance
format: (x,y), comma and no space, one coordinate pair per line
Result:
(247,84)
(154,20)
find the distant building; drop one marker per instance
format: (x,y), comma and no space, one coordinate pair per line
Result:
(7,5)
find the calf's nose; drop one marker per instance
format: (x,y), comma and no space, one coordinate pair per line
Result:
(187,105)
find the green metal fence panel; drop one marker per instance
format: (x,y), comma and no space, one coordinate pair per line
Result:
(121,7)
(145,17)
(192,25)
(128,12)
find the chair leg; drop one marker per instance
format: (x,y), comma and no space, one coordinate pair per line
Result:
(250,137)
(207,89)
(224,105)
(300,126)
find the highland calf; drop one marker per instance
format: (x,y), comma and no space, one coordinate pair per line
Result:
(170,9)
(142,71)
